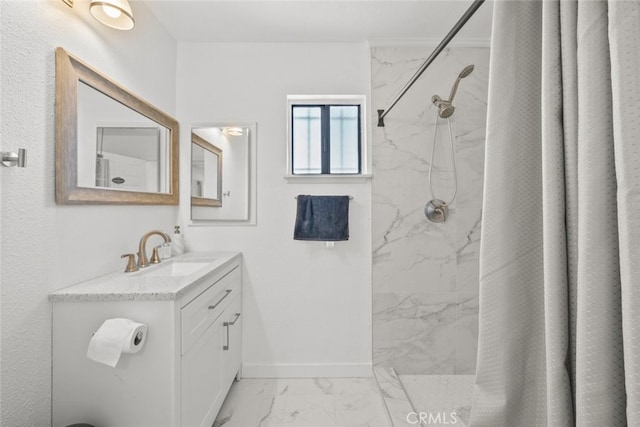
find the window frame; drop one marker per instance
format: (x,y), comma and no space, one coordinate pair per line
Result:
(328,101)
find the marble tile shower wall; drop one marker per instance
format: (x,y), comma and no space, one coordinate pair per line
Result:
(425,275)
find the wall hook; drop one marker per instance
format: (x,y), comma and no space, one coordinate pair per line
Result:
(10,158)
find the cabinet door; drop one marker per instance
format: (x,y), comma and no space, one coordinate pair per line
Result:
(233,341)
(200,312)
(202,381)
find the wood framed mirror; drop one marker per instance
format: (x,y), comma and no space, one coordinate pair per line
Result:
(206,173)
(112,147)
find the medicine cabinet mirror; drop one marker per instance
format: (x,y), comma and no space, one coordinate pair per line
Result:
(206,173)
(111,146)
(234,167)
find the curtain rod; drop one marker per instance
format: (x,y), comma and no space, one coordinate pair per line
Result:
(461,22)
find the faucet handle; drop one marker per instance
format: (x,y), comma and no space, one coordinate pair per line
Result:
(131,264)
(155,257)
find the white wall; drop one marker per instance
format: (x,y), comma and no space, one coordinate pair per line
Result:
(44,246)
(308,308)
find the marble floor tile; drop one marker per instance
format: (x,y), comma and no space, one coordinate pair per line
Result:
(395,398)
(271,412)
(360,410)
(316,402)
(442,397)
(328,386)
(310,411)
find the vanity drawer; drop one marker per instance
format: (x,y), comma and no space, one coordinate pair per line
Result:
(207,307)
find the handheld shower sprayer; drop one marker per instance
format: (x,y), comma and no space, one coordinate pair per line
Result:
(436,210)
(445,106)
(464,73)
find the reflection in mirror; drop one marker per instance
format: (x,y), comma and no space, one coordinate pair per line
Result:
(130,152)
(206,173)
(131,158)
(109,139)
(237,173)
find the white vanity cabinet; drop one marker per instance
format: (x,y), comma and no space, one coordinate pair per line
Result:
(189,360)
(205,343)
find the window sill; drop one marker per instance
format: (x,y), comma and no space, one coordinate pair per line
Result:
(340,179)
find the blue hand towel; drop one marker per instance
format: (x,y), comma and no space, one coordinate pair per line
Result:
(324,218)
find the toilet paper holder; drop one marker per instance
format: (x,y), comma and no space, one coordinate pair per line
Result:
(136,340)
(115,337)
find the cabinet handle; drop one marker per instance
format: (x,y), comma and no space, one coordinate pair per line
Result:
(228,291)
(226,325)
(234,320)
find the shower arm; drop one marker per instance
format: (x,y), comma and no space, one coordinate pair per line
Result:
(450,35)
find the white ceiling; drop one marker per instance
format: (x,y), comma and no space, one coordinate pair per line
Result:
(375,21)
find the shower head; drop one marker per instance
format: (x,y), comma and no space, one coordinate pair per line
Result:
(445,108)
(446,111)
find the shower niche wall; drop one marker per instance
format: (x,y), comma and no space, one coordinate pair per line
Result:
(425,274)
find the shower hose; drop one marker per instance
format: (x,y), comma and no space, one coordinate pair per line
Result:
(436,200)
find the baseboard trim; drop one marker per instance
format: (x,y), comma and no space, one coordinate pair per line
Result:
(356,370)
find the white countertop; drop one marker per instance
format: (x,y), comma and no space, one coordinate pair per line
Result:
(138,286)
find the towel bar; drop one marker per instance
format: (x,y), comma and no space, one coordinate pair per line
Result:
(350,197)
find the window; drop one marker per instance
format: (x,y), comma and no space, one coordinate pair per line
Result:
(325,135)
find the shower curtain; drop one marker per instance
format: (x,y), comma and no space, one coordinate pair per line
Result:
(559,341)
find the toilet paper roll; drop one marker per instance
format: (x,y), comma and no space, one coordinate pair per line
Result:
(114,337)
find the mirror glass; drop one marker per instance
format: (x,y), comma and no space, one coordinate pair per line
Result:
(119,149)
(111,146)
(235,171)
(206,173)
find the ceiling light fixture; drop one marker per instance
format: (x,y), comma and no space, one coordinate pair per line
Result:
(113,13)
(234,131)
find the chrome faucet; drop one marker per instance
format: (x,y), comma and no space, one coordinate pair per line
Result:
(142,248)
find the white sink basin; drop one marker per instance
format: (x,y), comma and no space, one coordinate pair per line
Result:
(175,269)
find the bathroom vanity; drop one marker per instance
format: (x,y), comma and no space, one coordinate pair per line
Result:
(192,307)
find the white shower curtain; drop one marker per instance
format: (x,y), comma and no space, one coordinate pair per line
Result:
(560,255)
